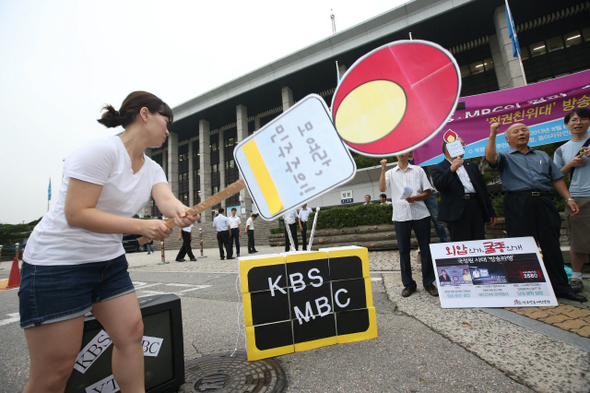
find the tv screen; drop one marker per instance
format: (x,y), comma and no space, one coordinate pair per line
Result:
(162,346)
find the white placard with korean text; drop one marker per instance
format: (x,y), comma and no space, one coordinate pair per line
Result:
(491,273)
(455,149)
(293,159)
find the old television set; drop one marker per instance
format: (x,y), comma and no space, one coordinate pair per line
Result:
(163,350)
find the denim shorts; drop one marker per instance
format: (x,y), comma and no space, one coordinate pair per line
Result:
(50,294)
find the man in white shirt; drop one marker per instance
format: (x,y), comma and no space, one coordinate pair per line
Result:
(250,233)
(410,213)
(367,200)
(291,221)
(185,234)
(221,223)
(303,217)
(235,230)
(383,199)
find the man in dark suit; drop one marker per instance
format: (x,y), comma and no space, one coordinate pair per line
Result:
(444,277)
(465,204)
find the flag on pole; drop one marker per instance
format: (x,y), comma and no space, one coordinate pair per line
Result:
(512,31)
(49,191)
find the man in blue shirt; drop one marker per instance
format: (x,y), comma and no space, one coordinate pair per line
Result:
(527,177)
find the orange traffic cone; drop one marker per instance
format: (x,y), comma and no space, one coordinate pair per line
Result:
(14,279)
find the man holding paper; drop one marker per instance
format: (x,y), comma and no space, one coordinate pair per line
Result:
(409,188)
(465,204)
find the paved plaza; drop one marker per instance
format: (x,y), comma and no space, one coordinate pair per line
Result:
(545,348)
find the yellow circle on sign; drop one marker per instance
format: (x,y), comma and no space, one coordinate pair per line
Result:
(370,111)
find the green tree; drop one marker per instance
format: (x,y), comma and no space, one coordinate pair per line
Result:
(10,234)
(367,162)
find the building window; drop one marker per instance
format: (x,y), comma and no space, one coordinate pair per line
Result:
(214,146)
(214,168)
(538,49)
(573,38)
(554,44)
(230,142)
(477,67)
(464,70)
(524,52)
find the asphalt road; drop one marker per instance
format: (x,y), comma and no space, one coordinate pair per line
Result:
(408,356)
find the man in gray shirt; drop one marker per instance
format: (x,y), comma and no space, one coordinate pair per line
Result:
(573,158)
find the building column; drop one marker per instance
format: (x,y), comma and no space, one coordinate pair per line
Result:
(256,123)
(165,162)
(288,101)
(147,209)
(191,179)
(173,162)
(221,166)
(508,68)
(242,126)
(205,164)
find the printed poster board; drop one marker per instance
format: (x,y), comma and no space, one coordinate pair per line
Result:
(491,273)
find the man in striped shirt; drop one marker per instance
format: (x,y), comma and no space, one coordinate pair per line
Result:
(409,188)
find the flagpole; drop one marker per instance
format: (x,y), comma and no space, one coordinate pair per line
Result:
(515,43)
(522,68)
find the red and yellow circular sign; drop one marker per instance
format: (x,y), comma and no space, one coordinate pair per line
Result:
(396,97)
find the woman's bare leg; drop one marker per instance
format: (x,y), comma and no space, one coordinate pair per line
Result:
(121,318)
(53,348)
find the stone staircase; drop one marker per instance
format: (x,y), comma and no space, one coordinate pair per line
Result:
(261,236)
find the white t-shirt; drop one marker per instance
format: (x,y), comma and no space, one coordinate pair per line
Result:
(104,162)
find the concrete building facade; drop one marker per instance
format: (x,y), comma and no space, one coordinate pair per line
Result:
(198,156)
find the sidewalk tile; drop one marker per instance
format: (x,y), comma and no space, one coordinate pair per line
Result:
(571,324)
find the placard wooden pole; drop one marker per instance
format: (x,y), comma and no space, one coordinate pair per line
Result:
(232,189)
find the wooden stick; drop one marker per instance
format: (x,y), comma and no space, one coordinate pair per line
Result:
(212,200)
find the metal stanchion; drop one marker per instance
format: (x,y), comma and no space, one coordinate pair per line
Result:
(201,240)
(290,235)
(315,220)
(163,262)
(1,268)
(16,250)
